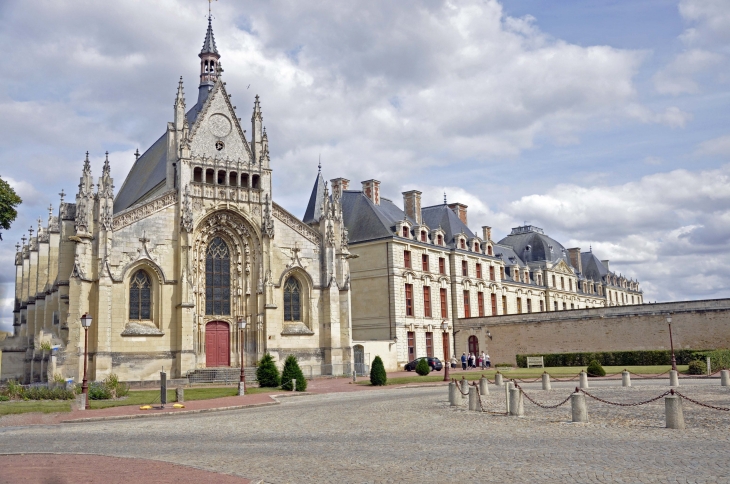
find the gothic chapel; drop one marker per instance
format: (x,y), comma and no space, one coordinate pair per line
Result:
(192,243)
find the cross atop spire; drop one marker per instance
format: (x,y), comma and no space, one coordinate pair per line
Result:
(209,46)
(87,164)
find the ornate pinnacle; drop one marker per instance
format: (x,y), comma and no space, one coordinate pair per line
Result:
(87,164)
(23,238)
(17,247)
(50,210)
(30,231)
(62,194)
(107,169)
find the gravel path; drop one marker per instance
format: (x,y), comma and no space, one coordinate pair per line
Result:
(412,435)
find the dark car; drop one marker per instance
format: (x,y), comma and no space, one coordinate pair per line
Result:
(433,362)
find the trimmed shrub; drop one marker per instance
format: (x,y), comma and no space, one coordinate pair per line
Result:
(697,367)
(377,373)
(422,367)
(595,369)
(719,359)
(99,391)
(116,388)
(625,358)
(503,365)
(44,393)
(291,372)
(266,373)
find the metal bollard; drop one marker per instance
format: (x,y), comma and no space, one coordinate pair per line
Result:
(163,388)
(498,379)
(483,386)
(583,379)
(673,378)
(546,381)
(578,407)
(452,394)
(625,378)
(724,378)
(354,376)
(516,406)
(293,384)
(673,410)
(473,399)
(180,394)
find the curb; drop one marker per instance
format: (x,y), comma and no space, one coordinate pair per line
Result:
(169,414)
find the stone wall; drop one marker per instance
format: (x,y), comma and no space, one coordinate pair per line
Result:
(695,325)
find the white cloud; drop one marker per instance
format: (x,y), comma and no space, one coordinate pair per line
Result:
(716,146)
(679,76)
(711,19)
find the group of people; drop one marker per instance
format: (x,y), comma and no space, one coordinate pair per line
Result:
(475,361)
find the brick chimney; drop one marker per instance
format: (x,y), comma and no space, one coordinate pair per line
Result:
(574,255)
(486,233)
(412,205)
(460,210)
(339,185)
(371,189)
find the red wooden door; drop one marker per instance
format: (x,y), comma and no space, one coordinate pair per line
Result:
(217,350)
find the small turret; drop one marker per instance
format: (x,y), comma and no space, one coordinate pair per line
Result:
(257,135)
(210,66)
(180,106)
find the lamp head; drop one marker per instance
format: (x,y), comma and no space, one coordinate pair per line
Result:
(241,323)
(669,319)
(445,325)
(85,320)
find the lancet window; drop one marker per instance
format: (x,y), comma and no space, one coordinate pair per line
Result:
(292,300)
(218,278)
(140,296)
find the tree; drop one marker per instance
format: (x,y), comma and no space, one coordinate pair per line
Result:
(291,372)
(377,373)
(8,201)
(422,367)
(267,374)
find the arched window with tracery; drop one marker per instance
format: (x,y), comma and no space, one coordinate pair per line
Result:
(217,278)
(140,296)
(292,300)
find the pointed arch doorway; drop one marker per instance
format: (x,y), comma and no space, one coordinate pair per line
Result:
(217,344)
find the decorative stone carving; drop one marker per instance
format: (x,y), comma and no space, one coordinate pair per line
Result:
(68,211)
(106,218)
(267,225)
(186,219)
(131,215)
(300,227)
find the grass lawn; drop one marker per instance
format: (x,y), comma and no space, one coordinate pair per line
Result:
(44,406)
(525,373)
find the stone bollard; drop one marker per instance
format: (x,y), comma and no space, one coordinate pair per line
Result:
(464,389)
(516,406)
(498,379)
(546,381)
(625,378)
(80,401)
(583,379)
(354,376)
(294,384)
(483,386)
(673,410)
(725,378)
(453,397)
(578,406)
(241,388)
(180,394)
(673,378)
(709,368)
(506,397)
(473,399)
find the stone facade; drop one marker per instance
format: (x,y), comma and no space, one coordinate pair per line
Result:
(192,244)
(698,325)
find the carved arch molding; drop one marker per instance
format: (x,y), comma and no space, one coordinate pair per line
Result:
(245,259)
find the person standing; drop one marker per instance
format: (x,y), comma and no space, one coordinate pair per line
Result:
(463,361)
(484,360)
(487,361)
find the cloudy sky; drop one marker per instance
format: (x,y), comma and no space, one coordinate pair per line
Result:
(607,123)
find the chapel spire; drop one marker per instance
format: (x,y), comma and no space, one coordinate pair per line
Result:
(210,66)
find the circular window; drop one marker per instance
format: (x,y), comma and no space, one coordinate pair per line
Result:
(219,145)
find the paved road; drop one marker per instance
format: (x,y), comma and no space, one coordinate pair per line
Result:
(412,435)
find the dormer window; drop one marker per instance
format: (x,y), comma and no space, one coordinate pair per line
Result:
(440,239)
(405,232)
(489,250)
(476,246)
(424,236)
(462,244)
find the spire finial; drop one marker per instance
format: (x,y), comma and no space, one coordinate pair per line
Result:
(23,238)
(17,247)
(62,194)
(50,210)
(319,165)
(31,230)
(210,12)
(444,198)
(87,164)
(136,154)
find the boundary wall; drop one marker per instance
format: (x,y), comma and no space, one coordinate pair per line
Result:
(699,325)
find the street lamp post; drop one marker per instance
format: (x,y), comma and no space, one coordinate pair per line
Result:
(671,343)
(447,362)
(86,322)
(242,382)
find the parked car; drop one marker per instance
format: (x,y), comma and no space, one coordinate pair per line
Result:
(433,362)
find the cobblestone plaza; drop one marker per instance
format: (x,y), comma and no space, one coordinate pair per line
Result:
(412,435)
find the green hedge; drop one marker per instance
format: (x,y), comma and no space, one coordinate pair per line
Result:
(624,358)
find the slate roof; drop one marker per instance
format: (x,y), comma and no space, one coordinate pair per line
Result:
(442,216)
(508,255)
(539,247)
(209,42)
(148,171)
(314,207)
(365,220)
(592,267)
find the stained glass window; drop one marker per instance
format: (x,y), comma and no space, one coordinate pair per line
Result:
(292,300)
(140,297)
(218,278)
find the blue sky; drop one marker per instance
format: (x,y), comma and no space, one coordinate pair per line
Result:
(605,123)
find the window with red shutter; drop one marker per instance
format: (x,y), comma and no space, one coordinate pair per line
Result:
(467,309)
(480,301)
(407,259)
(409,299)
(426,301)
